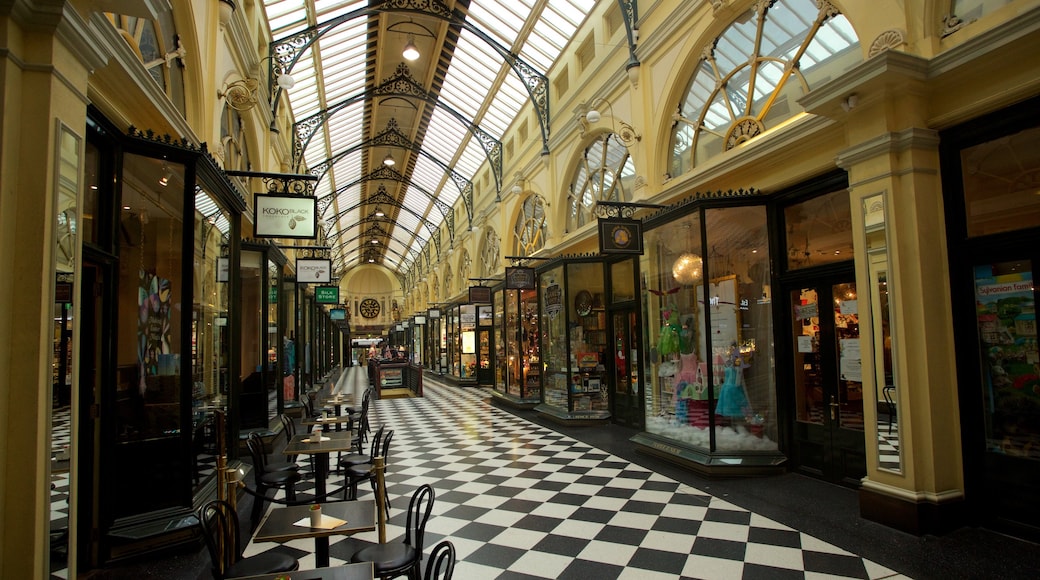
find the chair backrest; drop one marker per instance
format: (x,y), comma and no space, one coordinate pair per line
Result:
(290,431)
(419,510)
(255,445)
(386,444)
(219,523)
(376,440)
(308,408)
(441,564)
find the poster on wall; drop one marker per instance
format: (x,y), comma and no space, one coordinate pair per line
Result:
(154,353)
(1005,307)
(285,216)
(313,271)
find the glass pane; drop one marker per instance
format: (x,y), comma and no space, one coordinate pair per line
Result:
(850,377)
(529,344)
(505,338)
(88,222)
(622,281)
(808,371)
(272,374)
(150,278)
(819,231)
(554,338)
(1000,192)
(254,399)
(588,337)
(1006,311)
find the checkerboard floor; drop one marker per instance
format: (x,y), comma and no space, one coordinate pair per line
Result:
(522,501)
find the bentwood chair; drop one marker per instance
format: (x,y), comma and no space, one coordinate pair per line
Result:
(267,480)
(219,523)
(395,559)
(352,459)
(441,564)
(272,466)
(357,474)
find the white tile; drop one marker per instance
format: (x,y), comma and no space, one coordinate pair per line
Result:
(668,542)
(723,531)
(707,568)
(578,529)
(633,520)
(538,564)
(778,556)
(518,538)
(608,553)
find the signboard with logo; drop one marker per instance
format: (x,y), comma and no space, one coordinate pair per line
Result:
(337,314)
(520,278)
(620,236)
(285,216)
(326,294)
(313,271)
(223,267)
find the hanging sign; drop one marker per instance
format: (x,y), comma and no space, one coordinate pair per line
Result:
(553,300)
(620,236)
(285,216)
(326,294)
(337,314)
(520,278)
(480,294)
(223,267)
(313,271)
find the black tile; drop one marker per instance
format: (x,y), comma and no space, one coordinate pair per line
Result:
(510,575)
(592,515)
(728,516)
(574,469)
(676,526)
(480,532)
(588,570)
(644,507)
(466,513)
(451,497)
(834,564)
(561,545)
(714,548)
(523,506)
(658,560)
(538,523)
(763,572)
(784,538)
(621,535)
(593,480)
(504,491)
(618,492)
(568,499)
(547,485)
(495,555)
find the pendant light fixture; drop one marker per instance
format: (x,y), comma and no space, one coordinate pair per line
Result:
(411,52)
(389,160)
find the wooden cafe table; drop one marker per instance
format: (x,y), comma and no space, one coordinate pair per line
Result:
(360,571)
(280,524)
(331,442)
(338,421)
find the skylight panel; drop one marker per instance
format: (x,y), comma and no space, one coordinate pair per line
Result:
(500,20)
(408,221)
(574,11)
(472,158)
(329,9)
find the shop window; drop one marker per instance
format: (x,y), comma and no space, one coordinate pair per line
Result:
(150,284)
(710,331)
(531,228)
(604,173)
(819,231)
(755,71)
(1000,191)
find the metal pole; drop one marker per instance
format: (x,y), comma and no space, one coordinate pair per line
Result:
(379,467)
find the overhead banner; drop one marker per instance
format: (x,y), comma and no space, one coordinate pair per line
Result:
(313,271)
(480,294)
(620,236)
(326,294)
(520,278)
(285,216)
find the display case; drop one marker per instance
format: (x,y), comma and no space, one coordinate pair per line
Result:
(574,343)
(517,363)
(709,334)
(463,343)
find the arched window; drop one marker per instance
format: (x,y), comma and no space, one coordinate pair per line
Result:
(159,47)
(489,257)
(605,173)
(750,78)
(530,230)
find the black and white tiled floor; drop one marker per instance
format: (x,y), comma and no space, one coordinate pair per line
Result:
(522,501)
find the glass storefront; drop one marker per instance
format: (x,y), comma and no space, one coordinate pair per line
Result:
(517,363)
(709,332)
(574,342)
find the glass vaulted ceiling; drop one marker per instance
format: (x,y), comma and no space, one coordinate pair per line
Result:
(462,70)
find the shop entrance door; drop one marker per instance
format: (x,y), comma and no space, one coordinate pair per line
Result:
(627,395)
(485,373)
(825,371)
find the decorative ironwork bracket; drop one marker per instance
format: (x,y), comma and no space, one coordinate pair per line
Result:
(608,209)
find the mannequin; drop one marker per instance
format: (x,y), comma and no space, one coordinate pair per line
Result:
(733,399)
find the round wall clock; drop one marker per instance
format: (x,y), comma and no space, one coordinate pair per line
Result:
(583,303)
(369,308)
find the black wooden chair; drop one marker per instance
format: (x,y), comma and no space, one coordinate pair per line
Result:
(266,480)
(360,473)
(219,523)
(441,564)
(272,466)
(395,559)
(352,459)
